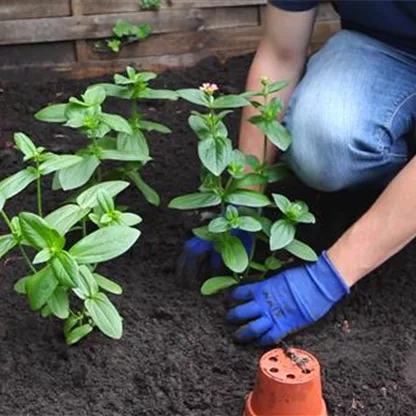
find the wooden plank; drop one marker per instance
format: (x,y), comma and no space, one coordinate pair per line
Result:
(121,6)
(91,27)
(80,45)
(16,55)
(32,9)
(224,44)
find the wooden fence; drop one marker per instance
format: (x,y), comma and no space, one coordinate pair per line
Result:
(58,37)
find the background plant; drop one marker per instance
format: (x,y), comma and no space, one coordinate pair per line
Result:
(125,33)
(227,175)
(150,4)
(58,271)
(109,137)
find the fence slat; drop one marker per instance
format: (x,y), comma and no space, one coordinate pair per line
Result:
(32,9)
(121,6)
(93,27)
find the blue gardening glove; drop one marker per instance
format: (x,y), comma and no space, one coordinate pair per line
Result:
(197,254)
(287,302)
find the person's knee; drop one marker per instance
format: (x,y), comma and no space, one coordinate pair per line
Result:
(323,153)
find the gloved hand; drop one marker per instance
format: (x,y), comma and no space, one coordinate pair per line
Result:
(198,254)
(287,302)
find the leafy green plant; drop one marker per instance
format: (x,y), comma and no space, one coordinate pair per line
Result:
(150,4)
(59,272)
(228,179)
(110,137)
(125,32)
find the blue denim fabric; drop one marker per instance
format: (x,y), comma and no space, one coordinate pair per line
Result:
(352,114)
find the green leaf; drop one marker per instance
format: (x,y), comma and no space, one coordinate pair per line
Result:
(257,266)
(136,144)
(7,242)
(70,323)
(199,126)
(14,184)
(249,224)
(123,28)
(277,173)
(108,285)
(121,155)
(152,94)
(43,256)
(277,86)
(78,333)
(195,201)
(253,162)
(45,312)
(248,198)
(2,201)
(215,154)
(20,285)
(79,174)
(86,283)
(116,123)
(152,126)
(64,218)
(301,250)
(218,225)
(203,233)
(249,179)
(276,133)
(194,96)
(306,218)
(37,232)
(65,269)
(130,219)
(59,162)
(40,287)
(113,241)
(282,202)
(233,253)
(230,101)
(94,95)
(217,284)
(105,202)
(282,234)
(272,263)
(148,192)
(112,90)
(59,303)
(53,113)
(25,145)
(114,44)
(105,315)
(89,198)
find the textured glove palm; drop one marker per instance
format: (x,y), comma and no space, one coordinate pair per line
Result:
(287,302)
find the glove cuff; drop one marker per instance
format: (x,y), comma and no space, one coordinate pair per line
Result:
(331,282)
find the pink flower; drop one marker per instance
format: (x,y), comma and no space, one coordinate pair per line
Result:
(209,88)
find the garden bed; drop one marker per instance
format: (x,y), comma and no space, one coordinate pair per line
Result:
(176,357)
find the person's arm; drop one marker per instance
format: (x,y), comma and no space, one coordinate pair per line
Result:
(381,232)
(280,56)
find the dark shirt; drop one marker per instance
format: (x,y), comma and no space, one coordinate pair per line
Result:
(392,22)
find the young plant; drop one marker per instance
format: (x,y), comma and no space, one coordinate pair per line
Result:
(150,4)
(126,33)
(109,136)
(58,272)
(228,179)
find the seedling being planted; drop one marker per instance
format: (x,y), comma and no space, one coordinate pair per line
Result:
(109,136)
(58,271)
(236,184)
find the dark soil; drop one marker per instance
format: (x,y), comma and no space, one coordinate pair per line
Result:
(177,357)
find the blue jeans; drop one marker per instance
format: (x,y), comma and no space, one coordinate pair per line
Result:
(352,114)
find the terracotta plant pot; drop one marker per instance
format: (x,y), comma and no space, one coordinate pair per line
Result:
(287,386)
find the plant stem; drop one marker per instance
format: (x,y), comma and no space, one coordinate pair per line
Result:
(6,219)
(84,227)
(26,257)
